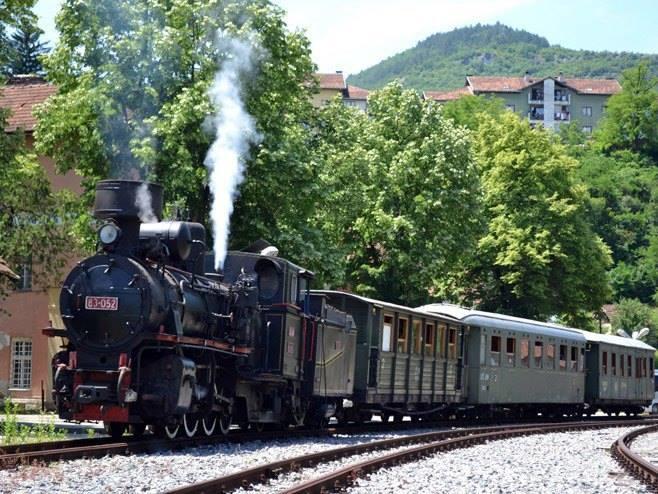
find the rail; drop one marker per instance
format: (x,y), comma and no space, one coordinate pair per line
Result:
(644,470)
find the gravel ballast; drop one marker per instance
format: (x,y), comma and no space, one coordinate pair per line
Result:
(565,463)
(159,472)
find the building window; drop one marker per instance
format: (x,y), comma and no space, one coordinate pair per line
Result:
(25,283)
(587,129)
(21,363)
(587,111)
(511,107)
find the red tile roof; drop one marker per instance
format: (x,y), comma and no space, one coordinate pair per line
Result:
(331,81)
(447,95)
(488,84)
(594,86)
(19,96)
(354,92)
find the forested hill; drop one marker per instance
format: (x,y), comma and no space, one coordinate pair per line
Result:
(443,60)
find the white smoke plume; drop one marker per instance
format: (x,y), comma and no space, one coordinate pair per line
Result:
(144,204)
(234,134)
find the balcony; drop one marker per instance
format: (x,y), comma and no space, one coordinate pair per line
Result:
(535,116)
(536,98)
(563,116)
(562,98)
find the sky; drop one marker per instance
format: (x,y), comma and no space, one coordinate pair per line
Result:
(352,35)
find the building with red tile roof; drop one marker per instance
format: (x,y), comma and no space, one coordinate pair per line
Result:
(573,100)
(25,370)
(332,85)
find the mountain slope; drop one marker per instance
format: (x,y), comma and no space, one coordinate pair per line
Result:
(443,60)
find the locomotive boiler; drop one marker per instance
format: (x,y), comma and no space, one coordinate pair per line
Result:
(157,336)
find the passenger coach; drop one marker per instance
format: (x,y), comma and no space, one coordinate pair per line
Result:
(408,362)
(519,366)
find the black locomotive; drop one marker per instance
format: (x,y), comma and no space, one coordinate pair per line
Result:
(157,336)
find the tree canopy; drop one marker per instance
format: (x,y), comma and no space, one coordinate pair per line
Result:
(134,79)
(539,256)
(402,195)
(26,48)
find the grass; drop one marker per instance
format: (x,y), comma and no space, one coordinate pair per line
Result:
(11,432)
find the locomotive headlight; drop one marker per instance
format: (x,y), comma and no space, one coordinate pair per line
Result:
(109,233)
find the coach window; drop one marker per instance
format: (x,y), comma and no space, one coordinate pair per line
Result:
(452,343)
(573,361)
(386,333)
(621,365)
(418,337)
(629,361)
(650,365)
(613,364)
(403,335)
(550,356)
(429,339)
(511,351)
(538,353)
(525,352)
(581,360)
(494,354)
(563,357)
(638,367)
(441,352)
(605,363)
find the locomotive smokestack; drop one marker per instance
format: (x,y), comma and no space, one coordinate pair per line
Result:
(119,200)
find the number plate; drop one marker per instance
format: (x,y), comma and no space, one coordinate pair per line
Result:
(102,303)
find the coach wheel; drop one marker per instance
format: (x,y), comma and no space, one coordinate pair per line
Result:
(209,423)
(137,430)
(190,424)
(224,423)
(115,429)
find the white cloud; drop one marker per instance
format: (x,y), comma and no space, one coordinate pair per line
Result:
(353,35)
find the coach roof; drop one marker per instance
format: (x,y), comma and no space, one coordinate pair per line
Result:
(501,321)
(611,339)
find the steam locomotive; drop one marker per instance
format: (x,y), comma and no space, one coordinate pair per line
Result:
(157,336)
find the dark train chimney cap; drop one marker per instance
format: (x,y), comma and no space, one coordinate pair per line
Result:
(118,199)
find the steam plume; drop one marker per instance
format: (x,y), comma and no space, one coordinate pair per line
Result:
(234,133)
(143,202)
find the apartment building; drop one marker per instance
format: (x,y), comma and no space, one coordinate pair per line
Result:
(547,101)
(332,85)
(25,353)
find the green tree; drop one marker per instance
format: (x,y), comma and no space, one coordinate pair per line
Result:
(539,256)
(632,315)
(12,14)
(631,115)
(35,223)
(402,205)
(27,48)
(133,80)
(623,211)
(469,110)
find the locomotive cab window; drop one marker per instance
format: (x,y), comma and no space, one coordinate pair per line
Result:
(268,281)
(494,354)
(403,335)
(511,351)
(538,354)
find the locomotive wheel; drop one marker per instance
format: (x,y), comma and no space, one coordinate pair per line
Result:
(224,423)
(115,429)
(190,424)
(137,430)
(209,423)
(171,431)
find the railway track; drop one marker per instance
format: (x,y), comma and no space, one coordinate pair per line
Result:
(638,466)
(427,444)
